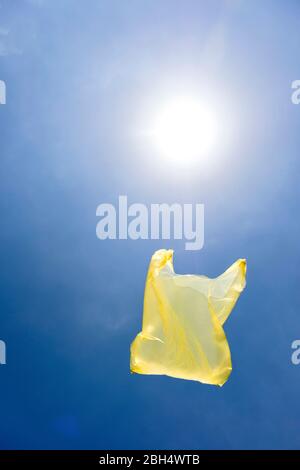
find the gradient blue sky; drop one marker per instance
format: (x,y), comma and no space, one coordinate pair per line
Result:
(81,78)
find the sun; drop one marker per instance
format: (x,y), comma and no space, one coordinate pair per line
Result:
(185,130)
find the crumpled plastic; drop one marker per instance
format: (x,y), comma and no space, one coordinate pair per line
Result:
(182,334)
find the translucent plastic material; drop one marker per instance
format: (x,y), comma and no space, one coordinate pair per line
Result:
(182,334)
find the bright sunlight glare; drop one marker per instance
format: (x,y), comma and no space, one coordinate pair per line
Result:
(185,130)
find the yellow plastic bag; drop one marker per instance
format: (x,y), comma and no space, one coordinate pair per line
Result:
(182,334)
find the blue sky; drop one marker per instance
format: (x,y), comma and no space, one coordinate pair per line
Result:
(81,77)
